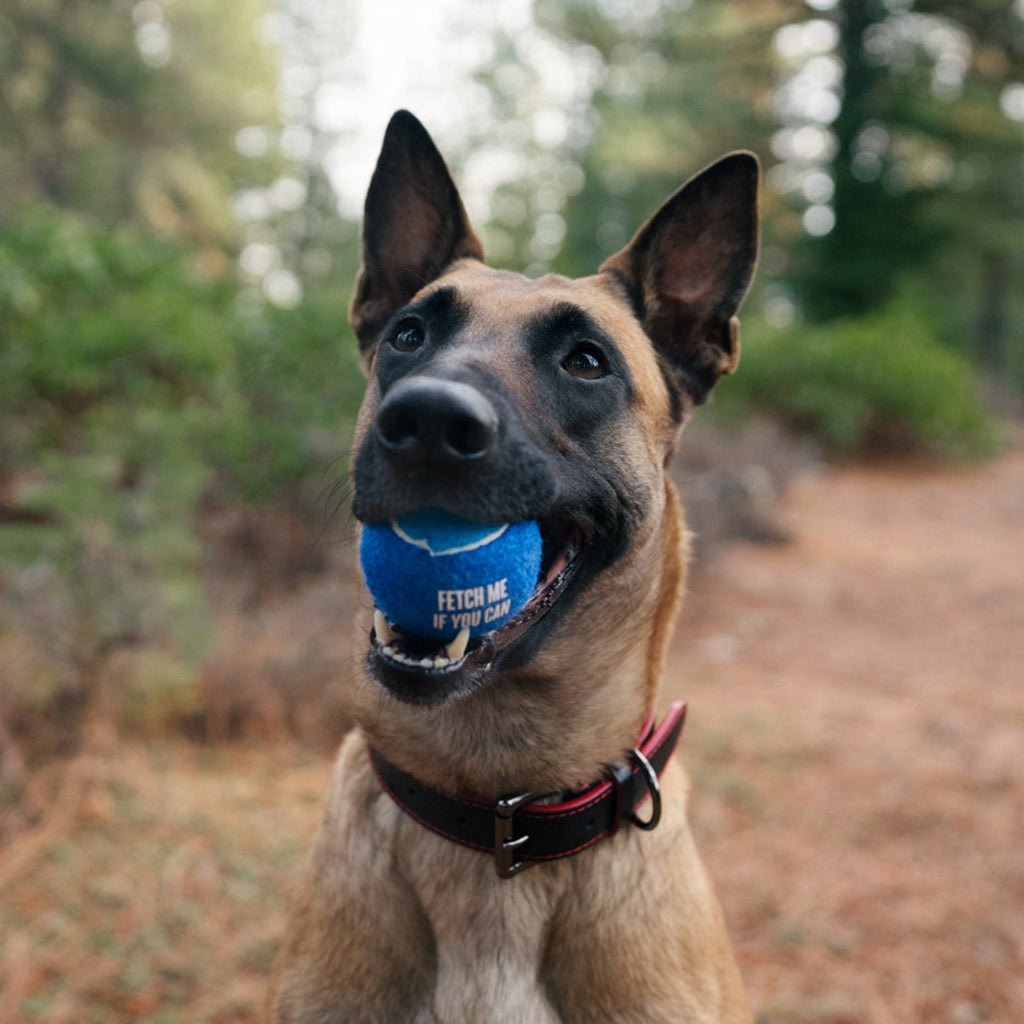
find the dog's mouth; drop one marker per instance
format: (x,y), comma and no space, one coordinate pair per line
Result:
(423,670)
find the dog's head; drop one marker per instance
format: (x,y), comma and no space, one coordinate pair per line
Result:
(499,398)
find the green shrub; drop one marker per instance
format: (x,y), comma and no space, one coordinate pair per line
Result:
(295,390)
(863,385)
(114,357)
(131,385)
(114,349)
(89,317)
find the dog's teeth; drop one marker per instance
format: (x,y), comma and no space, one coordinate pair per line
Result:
(457,647)
(390,647)
(385,634)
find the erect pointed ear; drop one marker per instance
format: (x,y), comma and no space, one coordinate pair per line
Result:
(414,225)
(688,268)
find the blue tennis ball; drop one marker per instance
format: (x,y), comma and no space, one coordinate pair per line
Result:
(433,574)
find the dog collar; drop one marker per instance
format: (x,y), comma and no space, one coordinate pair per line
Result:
(518,830)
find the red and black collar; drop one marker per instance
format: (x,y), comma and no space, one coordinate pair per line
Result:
(518,831)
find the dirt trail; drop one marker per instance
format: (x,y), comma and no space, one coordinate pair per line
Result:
(856,739)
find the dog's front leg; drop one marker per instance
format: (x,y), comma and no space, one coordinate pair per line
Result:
(640,936)
(358,949)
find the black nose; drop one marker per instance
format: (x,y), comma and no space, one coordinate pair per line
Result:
(436,420)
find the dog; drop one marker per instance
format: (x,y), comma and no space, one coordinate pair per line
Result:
(499,398)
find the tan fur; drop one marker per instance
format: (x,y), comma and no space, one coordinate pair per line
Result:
(395,924)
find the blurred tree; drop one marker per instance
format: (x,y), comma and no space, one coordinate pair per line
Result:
(297,374)
(678,86)
(293,226)
(130,110)
(897,132)
(131,364)
(981,206)
(924,161)
(111,390)
(540,89)
(859,241)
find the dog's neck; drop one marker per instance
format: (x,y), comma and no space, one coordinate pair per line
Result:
(578,706)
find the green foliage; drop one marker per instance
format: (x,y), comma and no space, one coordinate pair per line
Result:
(113,354)
(139,379)
(95,319)
(296,387)
(126,378)
(864,384)
(130,111)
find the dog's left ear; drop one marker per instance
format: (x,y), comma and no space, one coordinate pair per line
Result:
(414,225)
(688,268)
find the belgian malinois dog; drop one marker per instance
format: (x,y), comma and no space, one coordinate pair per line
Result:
(499,398)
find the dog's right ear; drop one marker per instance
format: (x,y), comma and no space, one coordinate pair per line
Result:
(414,225)
(687,270)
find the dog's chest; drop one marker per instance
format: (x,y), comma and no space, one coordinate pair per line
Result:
(491,935)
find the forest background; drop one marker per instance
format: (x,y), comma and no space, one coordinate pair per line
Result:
(179,231)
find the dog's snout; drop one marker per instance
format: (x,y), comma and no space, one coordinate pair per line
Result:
(433,419)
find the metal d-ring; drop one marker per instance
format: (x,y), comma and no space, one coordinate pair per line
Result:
(651,777)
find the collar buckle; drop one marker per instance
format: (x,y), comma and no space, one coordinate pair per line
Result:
(505,842)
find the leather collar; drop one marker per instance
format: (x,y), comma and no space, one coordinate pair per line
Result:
(518,831)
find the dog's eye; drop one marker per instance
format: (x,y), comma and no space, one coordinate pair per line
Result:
(586,362)
(409,336)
